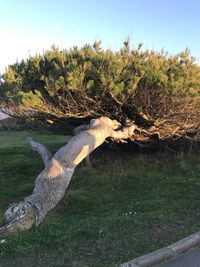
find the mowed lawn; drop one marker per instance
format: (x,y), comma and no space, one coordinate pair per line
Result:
(124,206)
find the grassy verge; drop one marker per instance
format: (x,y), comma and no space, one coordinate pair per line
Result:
(123,207)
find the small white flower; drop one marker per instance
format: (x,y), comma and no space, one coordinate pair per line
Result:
(2,241)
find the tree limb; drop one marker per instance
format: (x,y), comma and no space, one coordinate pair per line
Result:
(125,133)
(52,182)
(45,154)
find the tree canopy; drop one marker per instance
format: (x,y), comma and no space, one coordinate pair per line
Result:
(160,92)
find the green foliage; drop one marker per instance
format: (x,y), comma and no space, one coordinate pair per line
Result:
(90,81)
(94,72)
(30,99)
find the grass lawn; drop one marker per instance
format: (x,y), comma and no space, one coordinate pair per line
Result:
(123,207)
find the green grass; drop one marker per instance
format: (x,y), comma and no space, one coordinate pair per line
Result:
(123,207)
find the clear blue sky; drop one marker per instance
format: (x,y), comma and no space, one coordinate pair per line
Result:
(29,26)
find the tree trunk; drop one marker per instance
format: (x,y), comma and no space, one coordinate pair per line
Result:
(52,182)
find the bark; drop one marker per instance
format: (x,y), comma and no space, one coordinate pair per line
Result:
(52,182)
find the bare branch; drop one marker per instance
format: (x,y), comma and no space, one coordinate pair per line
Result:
(45,154)
(125,133)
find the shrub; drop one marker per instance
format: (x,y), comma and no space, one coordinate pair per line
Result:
(159,91)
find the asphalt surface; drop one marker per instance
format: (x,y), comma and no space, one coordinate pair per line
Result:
(189,259)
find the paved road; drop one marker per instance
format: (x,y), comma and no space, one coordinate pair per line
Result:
(189,259)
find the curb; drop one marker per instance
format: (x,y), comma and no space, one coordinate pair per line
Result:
(165,253)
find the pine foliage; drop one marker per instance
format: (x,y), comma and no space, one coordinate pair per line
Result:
(159,91)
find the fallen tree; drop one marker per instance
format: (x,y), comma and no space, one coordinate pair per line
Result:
(52,182)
